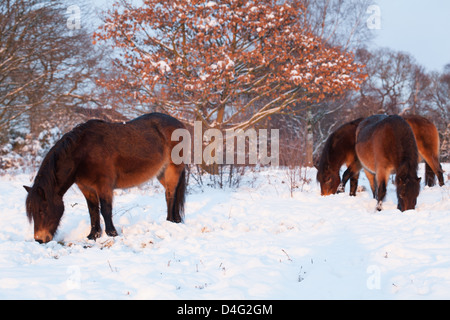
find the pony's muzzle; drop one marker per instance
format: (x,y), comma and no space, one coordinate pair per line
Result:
(43,237)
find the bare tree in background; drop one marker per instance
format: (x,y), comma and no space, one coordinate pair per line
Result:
(437,107)
(46,68)
(339,23)
(394,84)
(397,84)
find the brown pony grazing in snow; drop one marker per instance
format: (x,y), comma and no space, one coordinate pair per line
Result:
(385,145)
(340,146)
(100,156)
(339,149)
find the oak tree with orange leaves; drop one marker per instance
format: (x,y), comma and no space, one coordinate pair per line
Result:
(227,63)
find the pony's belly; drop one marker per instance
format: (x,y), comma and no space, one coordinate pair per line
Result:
(133,178)
(133,171)
(131,181)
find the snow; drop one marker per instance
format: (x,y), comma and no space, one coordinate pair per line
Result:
(254,242)
(162,66)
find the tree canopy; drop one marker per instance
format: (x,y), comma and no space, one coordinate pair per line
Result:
(228,63)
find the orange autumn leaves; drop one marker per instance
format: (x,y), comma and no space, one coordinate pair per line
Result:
(225,61)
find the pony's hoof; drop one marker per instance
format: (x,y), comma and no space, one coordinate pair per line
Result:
(94,235)
(175,219)
(112,233)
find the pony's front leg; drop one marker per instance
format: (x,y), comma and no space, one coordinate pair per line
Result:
(354,184)
(351,173)
(347,175)
(94,212)
(355,167)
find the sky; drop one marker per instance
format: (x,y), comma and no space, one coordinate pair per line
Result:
(420,27)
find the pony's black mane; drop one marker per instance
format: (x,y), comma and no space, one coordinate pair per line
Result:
(47,173)
(327,155)
(325,158)
(409,164)
(47,178)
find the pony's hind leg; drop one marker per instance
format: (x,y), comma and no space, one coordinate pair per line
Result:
(371,177)
(106,210)
(173,180)
(439,173)
(94,211)
(381,193)
(441,176)
(105,195)
(433,168)
(381,179)
(430,177)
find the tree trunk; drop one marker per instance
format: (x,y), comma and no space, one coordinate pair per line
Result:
(309,140)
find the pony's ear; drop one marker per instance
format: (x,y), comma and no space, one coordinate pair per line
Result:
(27,188)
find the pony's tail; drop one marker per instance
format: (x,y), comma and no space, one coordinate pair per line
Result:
(180,197)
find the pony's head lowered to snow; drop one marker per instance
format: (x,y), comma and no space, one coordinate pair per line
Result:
(45,210)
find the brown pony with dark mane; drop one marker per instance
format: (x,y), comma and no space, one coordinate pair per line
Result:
(340,146)
(385,145)
(100,156)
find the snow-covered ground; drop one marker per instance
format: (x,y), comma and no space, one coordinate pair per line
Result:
(254,242)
